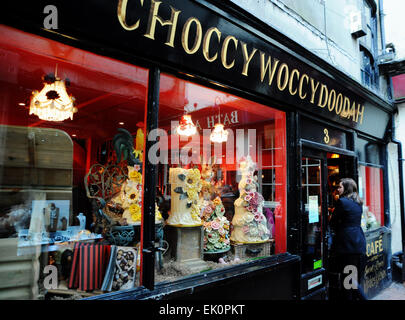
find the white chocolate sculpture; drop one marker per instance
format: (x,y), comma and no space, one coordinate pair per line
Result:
(249,223)
(185,186)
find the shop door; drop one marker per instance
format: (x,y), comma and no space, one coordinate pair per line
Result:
(314,224)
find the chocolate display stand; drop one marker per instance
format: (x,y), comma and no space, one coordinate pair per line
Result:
(252,250)
(186,246)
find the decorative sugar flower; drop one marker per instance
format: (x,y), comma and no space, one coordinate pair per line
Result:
(135,176)
(221,231)
(192,193)
(158,215)
(213,237)
(248,218)
(258,217)
(215,225)
(193,179)
(208,209)
(133,197)
(135,211)
(217,201)
(254,232)
(195,212)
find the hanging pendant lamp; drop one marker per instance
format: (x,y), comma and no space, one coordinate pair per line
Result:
(186,126)
(52,103)
(218,134)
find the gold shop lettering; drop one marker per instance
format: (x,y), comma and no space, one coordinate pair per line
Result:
(374,247)
(273,72)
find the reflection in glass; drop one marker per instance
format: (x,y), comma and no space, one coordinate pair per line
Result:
(312,217)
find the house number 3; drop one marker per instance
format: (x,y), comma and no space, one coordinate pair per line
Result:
(326,137)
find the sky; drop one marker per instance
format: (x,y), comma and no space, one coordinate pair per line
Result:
(394,22)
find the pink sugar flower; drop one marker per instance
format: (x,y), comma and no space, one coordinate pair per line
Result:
(258,217)
(215,225)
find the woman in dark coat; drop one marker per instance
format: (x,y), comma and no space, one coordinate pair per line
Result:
(349,244)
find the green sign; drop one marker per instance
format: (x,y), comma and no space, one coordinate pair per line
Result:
(317,264)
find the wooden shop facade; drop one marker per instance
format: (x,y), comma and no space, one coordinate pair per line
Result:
(142,68)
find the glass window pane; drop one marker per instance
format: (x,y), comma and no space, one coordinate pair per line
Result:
(234,191)
(368,151)
(70,179)
(371,192)
(312,217)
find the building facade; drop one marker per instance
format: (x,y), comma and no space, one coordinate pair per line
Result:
(173,209)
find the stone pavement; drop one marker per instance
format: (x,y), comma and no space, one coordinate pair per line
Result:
(396,291)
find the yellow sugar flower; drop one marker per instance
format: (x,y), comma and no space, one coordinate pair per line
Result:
(193,177)
(133,197)
(192,194)
(135,176)
(158,215)
(135,211)
(217,201)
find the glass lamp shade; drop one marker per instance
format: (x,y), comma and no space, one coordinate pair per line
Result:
(52,103)
(219,134)
(186,126)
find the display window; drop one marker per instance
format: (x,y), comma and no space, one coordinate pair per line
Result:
(221,179)
(72,159)
(371,191)
(371,183)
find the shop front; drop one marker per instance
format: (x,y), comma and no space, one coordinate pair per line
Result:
(164,150)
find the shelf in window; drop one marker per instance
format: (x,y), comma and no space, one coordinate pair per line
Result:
(270,149)
(273,166)
(271,204)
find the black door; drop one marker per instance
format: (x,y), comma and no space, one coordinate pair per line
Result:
(314,232)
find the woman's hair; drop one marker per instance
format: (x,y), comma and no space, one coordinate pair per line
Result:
(350,190)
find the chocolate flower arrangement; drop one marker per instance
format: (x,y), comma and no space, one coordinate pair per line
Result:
(216,227)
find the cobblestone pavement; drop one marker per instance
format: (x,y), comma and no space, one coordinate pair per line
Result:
(396,291)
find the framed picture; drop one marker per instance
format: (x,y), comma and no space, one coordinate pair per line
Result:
(49,215)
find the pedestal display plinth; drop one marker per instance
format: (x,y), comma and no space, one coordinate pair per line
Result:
(186,246)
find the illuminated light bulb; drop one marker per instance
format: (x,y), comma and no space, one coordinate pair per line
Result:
(53,103)
(219,134)
(186,126)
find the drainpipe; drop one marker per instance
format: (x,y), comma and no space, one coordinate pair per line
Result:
(397,142)
(381,15)
(401,190)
